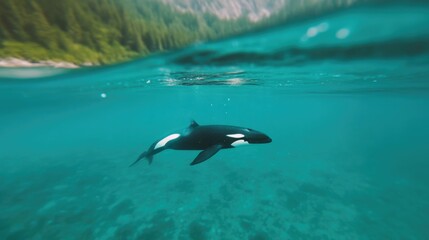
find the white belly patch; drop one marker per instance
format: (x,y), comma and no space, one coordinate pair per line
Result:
(239,143)
(166,140)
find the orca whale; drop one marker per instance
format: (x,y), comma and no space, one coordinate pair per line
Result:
(208,138)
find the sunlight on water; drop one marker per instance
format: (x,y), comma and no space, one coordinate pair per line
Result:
(344,98)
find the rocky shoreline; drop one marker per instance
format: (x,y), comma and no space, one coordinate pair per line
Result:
(17,62)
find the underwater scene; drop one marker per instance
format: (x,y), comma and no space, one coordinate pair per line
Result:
(344,97)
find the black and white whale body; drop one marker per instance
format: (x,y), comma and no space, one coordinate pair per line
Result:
(208,138)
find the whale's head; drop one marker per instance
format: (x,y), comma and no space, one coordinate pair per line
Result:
(253,137)
(249,136)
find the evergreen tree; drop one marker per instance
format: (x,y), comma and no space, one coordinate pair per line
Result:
(12,20)
(38,27)
(62,41)
(72,26)
(2,37)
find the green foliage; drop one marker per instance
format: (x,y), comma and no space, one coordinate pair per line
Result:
(76,53)
(101,31)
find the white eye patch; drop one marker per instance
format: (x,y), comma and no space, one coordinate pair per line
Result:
(239,143)
(166,140)
(237,135)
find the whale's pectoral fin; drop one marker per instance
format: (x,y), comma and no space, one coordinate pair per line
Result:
(206,154)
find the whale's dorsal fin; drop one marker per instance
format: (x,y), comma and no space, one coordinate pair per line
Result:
(193,124)
(206,154)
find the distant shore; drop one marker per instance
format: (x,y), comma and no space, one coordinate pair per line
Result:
(17,62)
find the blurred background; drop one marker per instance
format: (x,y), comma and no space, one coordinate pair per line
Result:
(72,33)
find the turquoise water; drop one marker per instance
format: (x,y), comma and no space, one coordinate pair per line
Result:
(344,97)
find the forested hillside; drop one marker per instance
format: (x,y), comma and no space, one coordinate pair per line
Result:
(101,31)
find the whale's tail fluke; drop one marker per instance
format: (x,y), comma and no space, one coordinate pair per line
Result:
(143,155)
